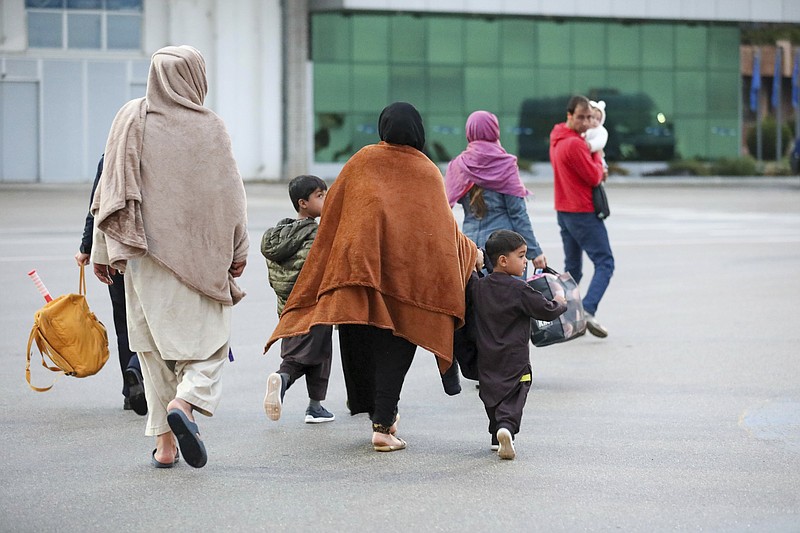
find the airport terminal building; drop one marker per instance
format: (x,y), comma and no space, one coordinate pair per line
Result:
(300,83)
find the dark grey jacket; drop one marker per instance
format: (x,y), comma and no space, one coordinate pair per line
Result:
(286,247)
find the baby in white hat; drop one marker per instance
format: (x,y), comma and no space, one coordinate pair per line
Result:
(597,135)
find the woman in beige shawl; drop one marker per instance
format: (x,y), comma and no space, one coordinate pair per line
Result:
(388,265)
(170,212)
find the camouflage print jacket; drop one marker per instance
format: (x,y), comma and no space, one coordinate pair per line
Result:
(286,247)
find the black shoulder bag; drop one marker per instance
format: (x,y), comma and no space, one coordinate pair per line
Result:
(600,201)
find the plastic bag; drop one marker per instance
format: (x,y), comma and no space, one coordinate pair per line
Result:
(569,325)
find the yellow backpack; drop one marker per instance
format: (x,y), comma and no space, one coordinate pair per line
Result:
(70,335)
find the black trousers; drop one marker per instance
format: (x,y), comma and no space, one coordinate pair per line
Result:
(375,363)
(508,413)
(310,356)
(127,358)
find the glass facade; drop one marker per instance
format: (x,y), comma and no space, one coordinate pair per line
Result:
(672,90)
(85,24)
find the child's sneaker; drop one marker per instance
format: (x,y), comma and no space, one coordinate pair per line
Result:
(506,450)
(273,400)
(495,444)
(318,415)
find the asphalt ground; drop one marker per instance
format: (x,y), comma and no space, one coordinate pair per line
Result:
(686,418)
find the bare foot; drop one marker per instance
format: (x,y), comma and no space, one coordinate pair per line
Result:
(182,405)
(166,448)
(382,439)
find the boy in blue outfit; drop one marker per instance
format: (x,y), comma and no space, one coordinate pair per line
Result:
(502,312)
(286,247)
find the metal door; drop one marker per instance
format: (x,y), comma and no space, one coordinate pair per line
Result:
(19,131)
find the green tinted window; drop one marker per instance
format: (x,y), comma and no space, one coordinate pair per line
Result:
(481,88)
(691,137)
(331,87)
(625,80)
(516,86)
(409,84)
(331,38)
(445,40)
(723,48)
(509,132)
(364,130)
(518,46)
(446,89)
(370,88)
(370,38)
(553,82)
(444,136)
(658,45)
(482,41)
(623,45)
(589,40)
(659,86)
(723,93)
(407,44)
(666,85)
(690,93)
(723,138)
(554,43)
(690,46)
(586,80)
(333,137)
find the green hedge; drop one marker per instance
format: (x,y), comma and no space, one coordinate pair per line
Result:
(768,139)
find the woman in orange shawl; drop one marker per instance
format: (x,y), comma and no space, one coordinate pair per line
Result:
(389,266)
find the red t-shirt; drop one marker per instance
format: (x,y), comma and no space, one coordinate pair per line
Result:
(577,171)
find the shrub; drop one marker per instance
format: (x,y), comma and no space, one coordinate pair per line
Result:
(768,139)
(738,166)
(689,167)
(734,166)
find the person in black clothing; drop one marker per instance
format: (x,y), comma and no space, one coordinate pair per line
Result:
(132,382)
(503,306)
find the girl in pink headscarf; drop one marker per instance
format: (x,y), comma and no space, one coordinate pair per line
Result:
(485,180)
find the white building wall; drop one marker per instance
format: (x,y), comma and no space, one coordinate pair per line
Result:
(248,81)
(242,43)
(240,40)
(11,37)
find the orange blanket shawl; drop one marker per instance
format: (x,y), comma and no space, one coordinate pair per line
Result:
(388,253)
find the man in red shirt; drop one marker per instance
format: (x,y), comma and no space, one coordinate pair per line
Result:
(577,172)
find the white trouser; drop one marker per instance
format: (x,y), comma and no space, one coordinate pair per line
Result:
(196,382)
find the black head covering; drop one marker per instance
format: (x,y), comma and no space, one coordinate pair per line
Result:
(400,123)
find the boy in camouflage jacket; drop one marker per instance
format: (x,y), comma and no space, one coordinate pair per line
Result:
(286,247)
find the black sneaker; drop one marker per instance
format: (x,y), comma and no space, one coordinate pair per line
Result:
(495,444)
(318,415)
(136,398)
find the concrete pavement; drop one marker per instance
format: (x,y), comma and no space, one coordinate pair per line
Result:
(686,418)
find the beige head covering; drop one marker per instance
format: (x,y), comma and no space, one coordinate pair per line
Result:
(170,186)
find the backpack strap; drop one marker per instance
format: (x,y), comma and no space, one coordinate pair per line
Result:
(35,334)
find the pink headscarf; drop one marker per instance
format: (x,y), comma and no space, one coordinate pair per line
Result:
(484,163)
